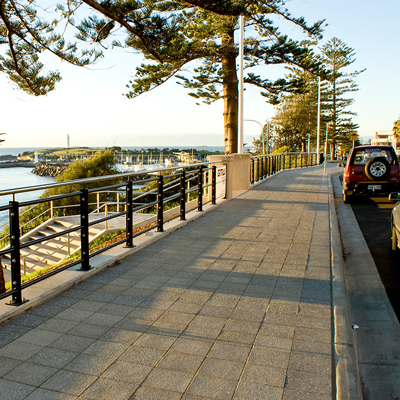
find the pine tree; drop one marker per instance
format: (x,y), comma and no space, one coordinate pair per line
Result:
(171,35)
(26,35)
(296,114)
(336,56)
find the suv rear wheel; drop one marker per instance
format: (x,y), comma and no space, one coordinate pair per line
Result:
(377,168)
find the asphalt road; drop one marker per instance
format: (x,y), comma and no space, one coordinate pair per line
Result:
(373,217)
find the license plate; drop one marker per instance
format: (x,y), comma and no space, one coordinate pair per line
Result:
(374,187)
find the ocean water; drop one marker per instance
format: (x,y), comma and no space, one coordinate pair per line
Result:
(14,178)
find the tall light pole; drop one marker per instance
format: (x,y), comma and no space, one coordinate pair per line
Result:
(262,133)
(319,114)
(241,58)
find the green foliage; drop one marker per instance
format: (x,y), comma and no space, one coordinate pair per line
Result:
(193,41)
(283,149)
(396,128)
(296,115)
(27,35)
(101,164)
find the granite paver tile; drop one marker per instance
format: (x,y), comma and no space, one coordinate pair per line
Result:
(175,361)
(72,343)
(201,332)
(154,341)
(30,374)
(265,375)
(107,320)
(318,335)
(88,330)
(303,381)
(269,357)
(40,337)
(74,314)
(14,390)
(89,364)
(212,387)
(192,346)
(176,381)
(231,352)
(116,309)
(315,363)
(7,364)
(142,355)
(106,389)
(52,357)
(257,391)
(127,372)
(69,382)
(283,331)
(150,393)
(44,394)
(105,349)
(236,337)
(19,350)
(221,368)
(243,326)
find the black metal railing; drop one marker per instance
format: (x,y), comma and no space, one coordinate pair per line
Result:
(266,165)
(184,184)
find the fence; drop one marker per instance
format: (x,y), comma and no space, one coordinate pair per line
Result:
(263,166)
(183,184)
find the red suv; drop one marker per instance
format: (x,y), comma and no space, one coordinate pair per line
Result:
(370,170)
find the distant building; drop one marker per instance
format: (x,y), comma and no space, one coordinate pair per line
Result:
(384,138)
(67,141)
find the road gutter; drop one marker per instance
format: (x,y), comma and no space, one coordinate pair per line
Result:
(347,384)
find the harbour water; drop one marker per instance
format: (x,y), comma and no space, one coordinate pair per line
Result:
(13,178)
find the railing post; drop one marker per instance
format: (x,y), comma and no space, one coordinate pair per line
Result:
(200,189)
(265,166)
(160,204)
(252,171)
(295,160)
(98,202)
(182,198)
(284,161)
(214,185)
(84,230)
(301,160)
(15,255)
(129,211)
(117,202)
(51,209)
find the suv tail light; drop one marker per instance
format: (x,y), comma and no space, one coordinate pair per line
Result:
(346,176)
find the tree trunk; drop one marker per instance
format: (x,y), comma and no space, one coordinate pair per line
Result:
(231,94)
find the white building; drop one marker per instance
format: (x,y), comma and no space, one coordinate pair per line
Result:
(384,138)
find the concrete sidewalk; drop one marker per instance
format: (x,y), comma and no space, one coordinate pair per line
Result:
(236,304)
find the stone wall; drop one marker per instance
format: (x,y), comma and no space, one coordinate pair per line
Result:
(49,169)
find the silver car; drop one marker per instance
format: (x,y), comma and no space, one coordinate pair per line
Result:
(395,220)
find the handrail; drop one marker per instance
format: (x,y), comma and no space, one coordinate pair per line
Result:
(96,179)
(175,190)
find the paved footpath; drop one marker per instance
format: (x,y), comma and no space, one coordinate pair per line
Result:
(234,305)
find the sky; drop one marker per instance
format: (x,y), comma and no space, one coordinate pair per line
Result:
(88,104)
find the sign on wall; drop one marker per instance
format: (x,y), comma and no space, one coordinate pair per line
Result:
(220,191)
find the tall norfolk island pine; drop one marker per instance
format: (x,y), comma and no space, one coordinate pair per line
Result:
(170,35)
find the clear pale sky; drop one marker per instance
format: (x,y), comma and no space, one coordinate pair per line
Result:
(89,106)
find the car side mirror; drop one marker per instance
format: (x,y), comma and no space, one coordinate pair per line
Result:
(395,196)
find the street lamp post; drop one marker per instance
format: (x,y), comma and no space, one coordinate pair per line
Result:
(262,133)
